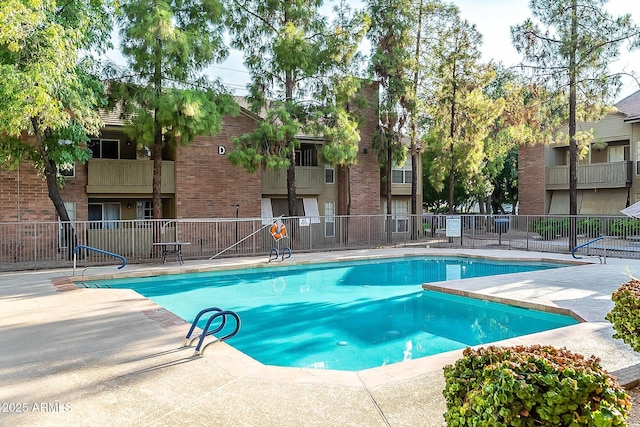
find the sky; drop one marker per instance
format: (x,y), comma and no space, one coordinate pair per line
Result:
(493,19)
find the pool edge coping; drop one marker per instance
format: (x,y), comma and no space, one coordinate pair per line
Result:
(380,375)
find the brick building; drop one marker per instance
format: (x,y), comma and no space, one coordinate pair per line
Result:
(608,176)
(198,181)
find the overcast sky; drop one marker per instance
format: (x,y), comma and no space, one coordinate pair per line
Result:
(493,19)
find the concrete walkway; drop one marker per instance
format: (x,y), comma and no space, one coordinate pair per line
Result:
(104,357)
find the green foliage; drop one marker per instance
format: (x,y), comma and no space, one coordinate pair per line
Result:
(568,46)
(435,199)
(41,73)
(623,227)
(531,386)
(167,46)
(551,228)
(589,227)
(294,54)
(391,63)
(461,114)
(48,89)
(625,315)
(162,97)
(271,143)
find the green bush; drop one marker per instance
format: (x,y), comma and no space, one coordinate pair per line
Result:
(589,227)
(623,227)
(531,386)
(625,315)
(551,228)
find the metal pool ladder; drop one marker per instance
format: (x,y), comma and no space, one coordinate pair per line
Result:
(220,315)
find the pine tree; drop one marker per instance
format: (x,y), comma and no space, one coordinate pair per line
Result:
(568,46)
(163,97)
(292,55)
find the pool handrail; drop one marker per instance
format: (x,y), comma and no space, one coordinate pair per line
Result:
(269,224)
(573,251)
(206,332)
(75,253)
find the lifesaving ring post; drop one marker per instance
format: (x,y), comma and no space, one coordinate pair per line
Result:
(278,230)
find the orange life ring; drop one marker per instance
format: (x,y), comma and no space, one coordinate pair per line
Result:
(278,231)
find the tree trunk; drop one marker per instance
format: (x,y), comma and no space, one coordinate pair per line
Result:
(157,186)
(414,194)
(158,143)
(344,190)
(291,184)
(344,202)
(573,149)
(50,174)
(291,171)
(414,136)
(452,132)
(388,180)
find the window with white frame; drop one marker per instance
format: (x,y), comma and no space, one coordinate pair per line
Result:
(329,219)
(104,215)
(63,236)
(105,148)
(401,174)
(144,210)
(399,216)
(329,174)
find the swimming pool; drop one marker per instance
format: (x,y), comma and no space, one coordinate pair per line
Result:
(350,315)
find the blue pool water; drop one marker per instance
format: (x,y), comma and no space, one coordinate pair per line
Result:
(349,315)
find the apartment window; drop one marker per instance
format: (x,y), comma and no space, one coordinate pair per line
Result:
(307,155)
(144,210)
(581,160)
(144,213)
(399,216)
(329,219)
(281,207)
(67,170)
(104,215)
(329,174)
(618,153)
(401,175)
(105,148)
(63,237)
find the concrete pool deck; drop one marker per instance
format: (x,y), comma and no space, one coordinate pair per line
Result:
(103,357)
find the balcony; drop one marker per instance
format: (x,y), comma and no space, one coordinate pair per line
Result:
(106,176)
(596,175)
(397,189)
(309,181)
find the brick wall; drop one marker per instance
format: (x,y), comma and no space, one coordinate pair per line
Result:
(365,174)
(75,190)
(24,195)
(531,183)
(208,185)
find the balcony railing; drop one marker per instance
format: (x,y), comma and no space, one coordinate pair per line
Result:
(309,180)
(596,175)
(128,176)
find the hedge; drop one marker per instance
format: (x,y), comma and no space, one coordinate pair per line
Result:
(531,386)
(625,315)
